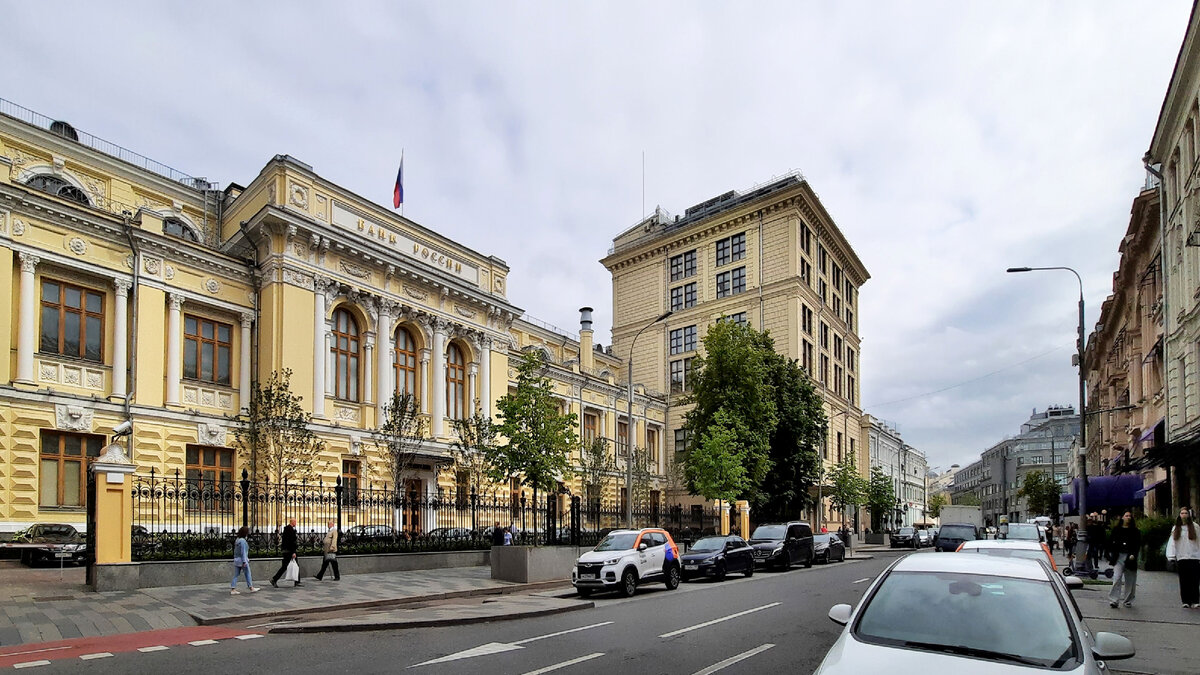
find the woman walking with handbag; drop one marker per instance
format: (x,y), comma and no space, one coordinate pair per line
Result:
(1123,546)
(329,547)
(1183,548)
(241,562)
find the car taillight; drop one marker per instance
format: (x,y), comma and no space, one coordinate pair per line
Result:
(959,549)
(1049,555)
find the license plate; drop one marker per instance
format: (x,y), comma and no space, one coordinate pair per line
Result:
(62,555)
(588,576)
(690,566)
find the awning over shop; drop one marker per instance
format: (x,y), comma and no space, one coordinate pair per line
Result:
(1106,492)
(1140,494)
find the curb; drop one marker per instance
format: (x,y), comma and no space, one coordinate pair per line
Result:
(392,602)
(429,623)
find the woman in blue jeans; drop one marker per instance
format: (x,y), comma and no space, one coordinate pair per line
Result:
(1123,546)
(241,562)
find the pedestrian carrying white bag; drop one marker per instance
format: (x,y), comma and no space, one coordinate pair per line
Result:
(293,571)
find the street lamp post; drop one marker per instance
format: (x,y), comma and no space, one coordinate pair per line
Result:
(1081,547)
(629,426)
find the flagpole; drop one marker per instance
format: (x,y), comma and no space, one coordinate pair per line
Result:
(402,176)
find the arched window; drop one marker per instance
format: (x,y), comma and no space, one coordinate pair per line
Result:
(456,382)
(177,228)
(345,355)
(58,187)
(405,362)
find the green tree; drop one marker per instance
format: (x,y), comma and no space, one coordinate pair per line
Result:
(794,441)
(716,467)
(643,478)
(881,496)
(474,438)
(733,379)
(936,503)
(399,437)
(273,438)
(1042,492)
(846,487)
(967,499)
(538,436)
(597,467)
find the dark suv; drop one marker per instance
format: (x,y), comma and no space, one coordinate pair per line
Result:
(783,544)
(950,537)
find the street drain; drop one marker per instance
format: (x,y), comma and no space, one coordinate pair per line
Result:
(49,598)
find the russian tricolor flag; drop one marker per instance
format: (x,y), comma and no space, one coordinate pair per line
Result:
(398,191)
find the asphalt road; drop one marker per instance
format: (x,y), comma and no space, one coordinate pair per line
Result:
(774,620)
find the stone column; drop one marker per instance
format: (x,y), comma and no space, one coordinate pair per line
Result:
(485,376)
(472,377)
(724,517)
(423,385)
(438,373)
(114,514)
(245,366)
(175,304)
(120,372)
(26,318)
(743,509)
(367,393)
(383,362)
(320,348)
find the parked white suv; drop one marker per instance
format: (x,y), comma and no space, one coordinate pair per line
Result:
(626,558)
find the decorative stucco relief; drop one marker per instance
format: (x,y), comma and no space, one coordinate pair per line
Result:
(72,417)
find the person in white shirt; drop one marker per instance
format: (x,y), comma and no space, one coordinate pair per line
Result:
(1183,548)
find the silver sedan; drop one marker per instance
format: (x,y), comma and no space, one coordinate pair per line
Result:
(930,613)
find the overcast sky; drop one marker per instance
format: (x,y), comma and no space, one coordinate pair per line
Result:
(948,140)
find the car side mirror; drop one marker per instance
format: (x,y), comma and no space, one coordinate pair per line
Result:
(642,546)
(1111,647)
(1073,582)
(840,614)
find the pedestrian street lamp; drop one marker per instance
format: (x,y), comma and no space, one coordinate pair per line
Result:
(629,425)
(1081,502)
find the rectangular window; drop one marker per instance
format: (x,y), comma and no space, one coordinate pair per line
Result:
(850,360)
(849,293)
(824,369)
(836,277)
(680,375)
(351,475)
(806,272)
(806,319)
(824,336)
(731,282)
(683,265)
(849,320)
(739,318)
(206,349)
(622,438)
(62,480)
(837,347)
(209,467)
(72,321)
(837,305)
(839,446)
(681,441)
(821,257)
(823,291)
(807,362)
(731,249)
(837,379)
(805,238)
(652,443)
(683,340)
(683,297)
(590,423)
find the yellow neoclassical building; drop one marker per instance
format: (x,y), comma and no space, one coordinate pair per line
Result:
(770,256)
(139,293)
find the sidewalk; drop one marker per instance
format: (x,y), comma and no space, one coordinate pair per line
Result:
(1163,633)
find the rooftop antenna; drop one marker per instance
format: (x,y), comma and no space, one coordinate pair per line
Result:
(643,183)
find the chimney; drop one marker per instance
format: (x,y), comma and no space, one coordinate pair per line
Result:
(587,360)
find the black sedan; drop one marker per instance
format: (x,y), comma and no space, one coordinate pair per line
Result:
(717,556)
(52,543)
(905,537)
(828,548)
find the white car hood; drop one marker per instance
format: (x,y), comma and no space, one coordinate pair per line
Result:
(851,657)
(601,556)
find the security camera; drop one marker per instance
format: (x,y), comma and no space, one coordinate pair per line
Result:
(123,429)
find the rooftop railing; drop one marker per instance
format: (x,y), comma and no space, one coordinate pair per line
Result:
(41,121)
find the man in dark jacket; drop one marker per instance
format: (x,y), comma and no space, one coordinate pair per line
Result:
(1096,536)
(497,535)
(289,545)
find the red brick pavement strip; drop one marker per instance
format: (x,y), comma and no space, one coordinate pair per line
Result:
(113,644)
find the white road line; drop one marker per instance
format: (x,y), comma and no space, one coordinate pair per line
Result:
(38,651)
(249,636)
(681,631)
(97,655)
(733,659)
(199,643)
(862,580)
(561,632)
(155,648)
(30,664)
(564,664)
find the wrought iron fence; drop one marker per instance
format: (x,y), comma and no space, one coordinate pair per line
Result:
(180,518)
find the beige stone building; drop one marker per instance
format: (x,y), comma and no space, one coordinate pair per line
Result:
(770,256)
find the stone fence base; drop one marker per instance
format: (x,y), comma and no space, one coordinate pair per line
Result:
(529,564)
(156,574)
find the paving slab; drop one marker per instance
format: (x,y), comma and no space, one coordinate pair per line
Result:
(499,609)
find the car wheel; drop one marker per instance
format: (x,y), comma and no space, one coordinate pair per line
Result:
(749,569)
(584,592)
(672,581)
(720,571)
(628,583)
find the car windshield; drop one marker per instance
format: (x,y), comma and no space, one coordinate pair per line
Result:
(1003,552)
(1023,531)
(970,614)
(617,542)
(709,544)
(55,531)
(769,532)
(820,539)
(957,532)
(905,530)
